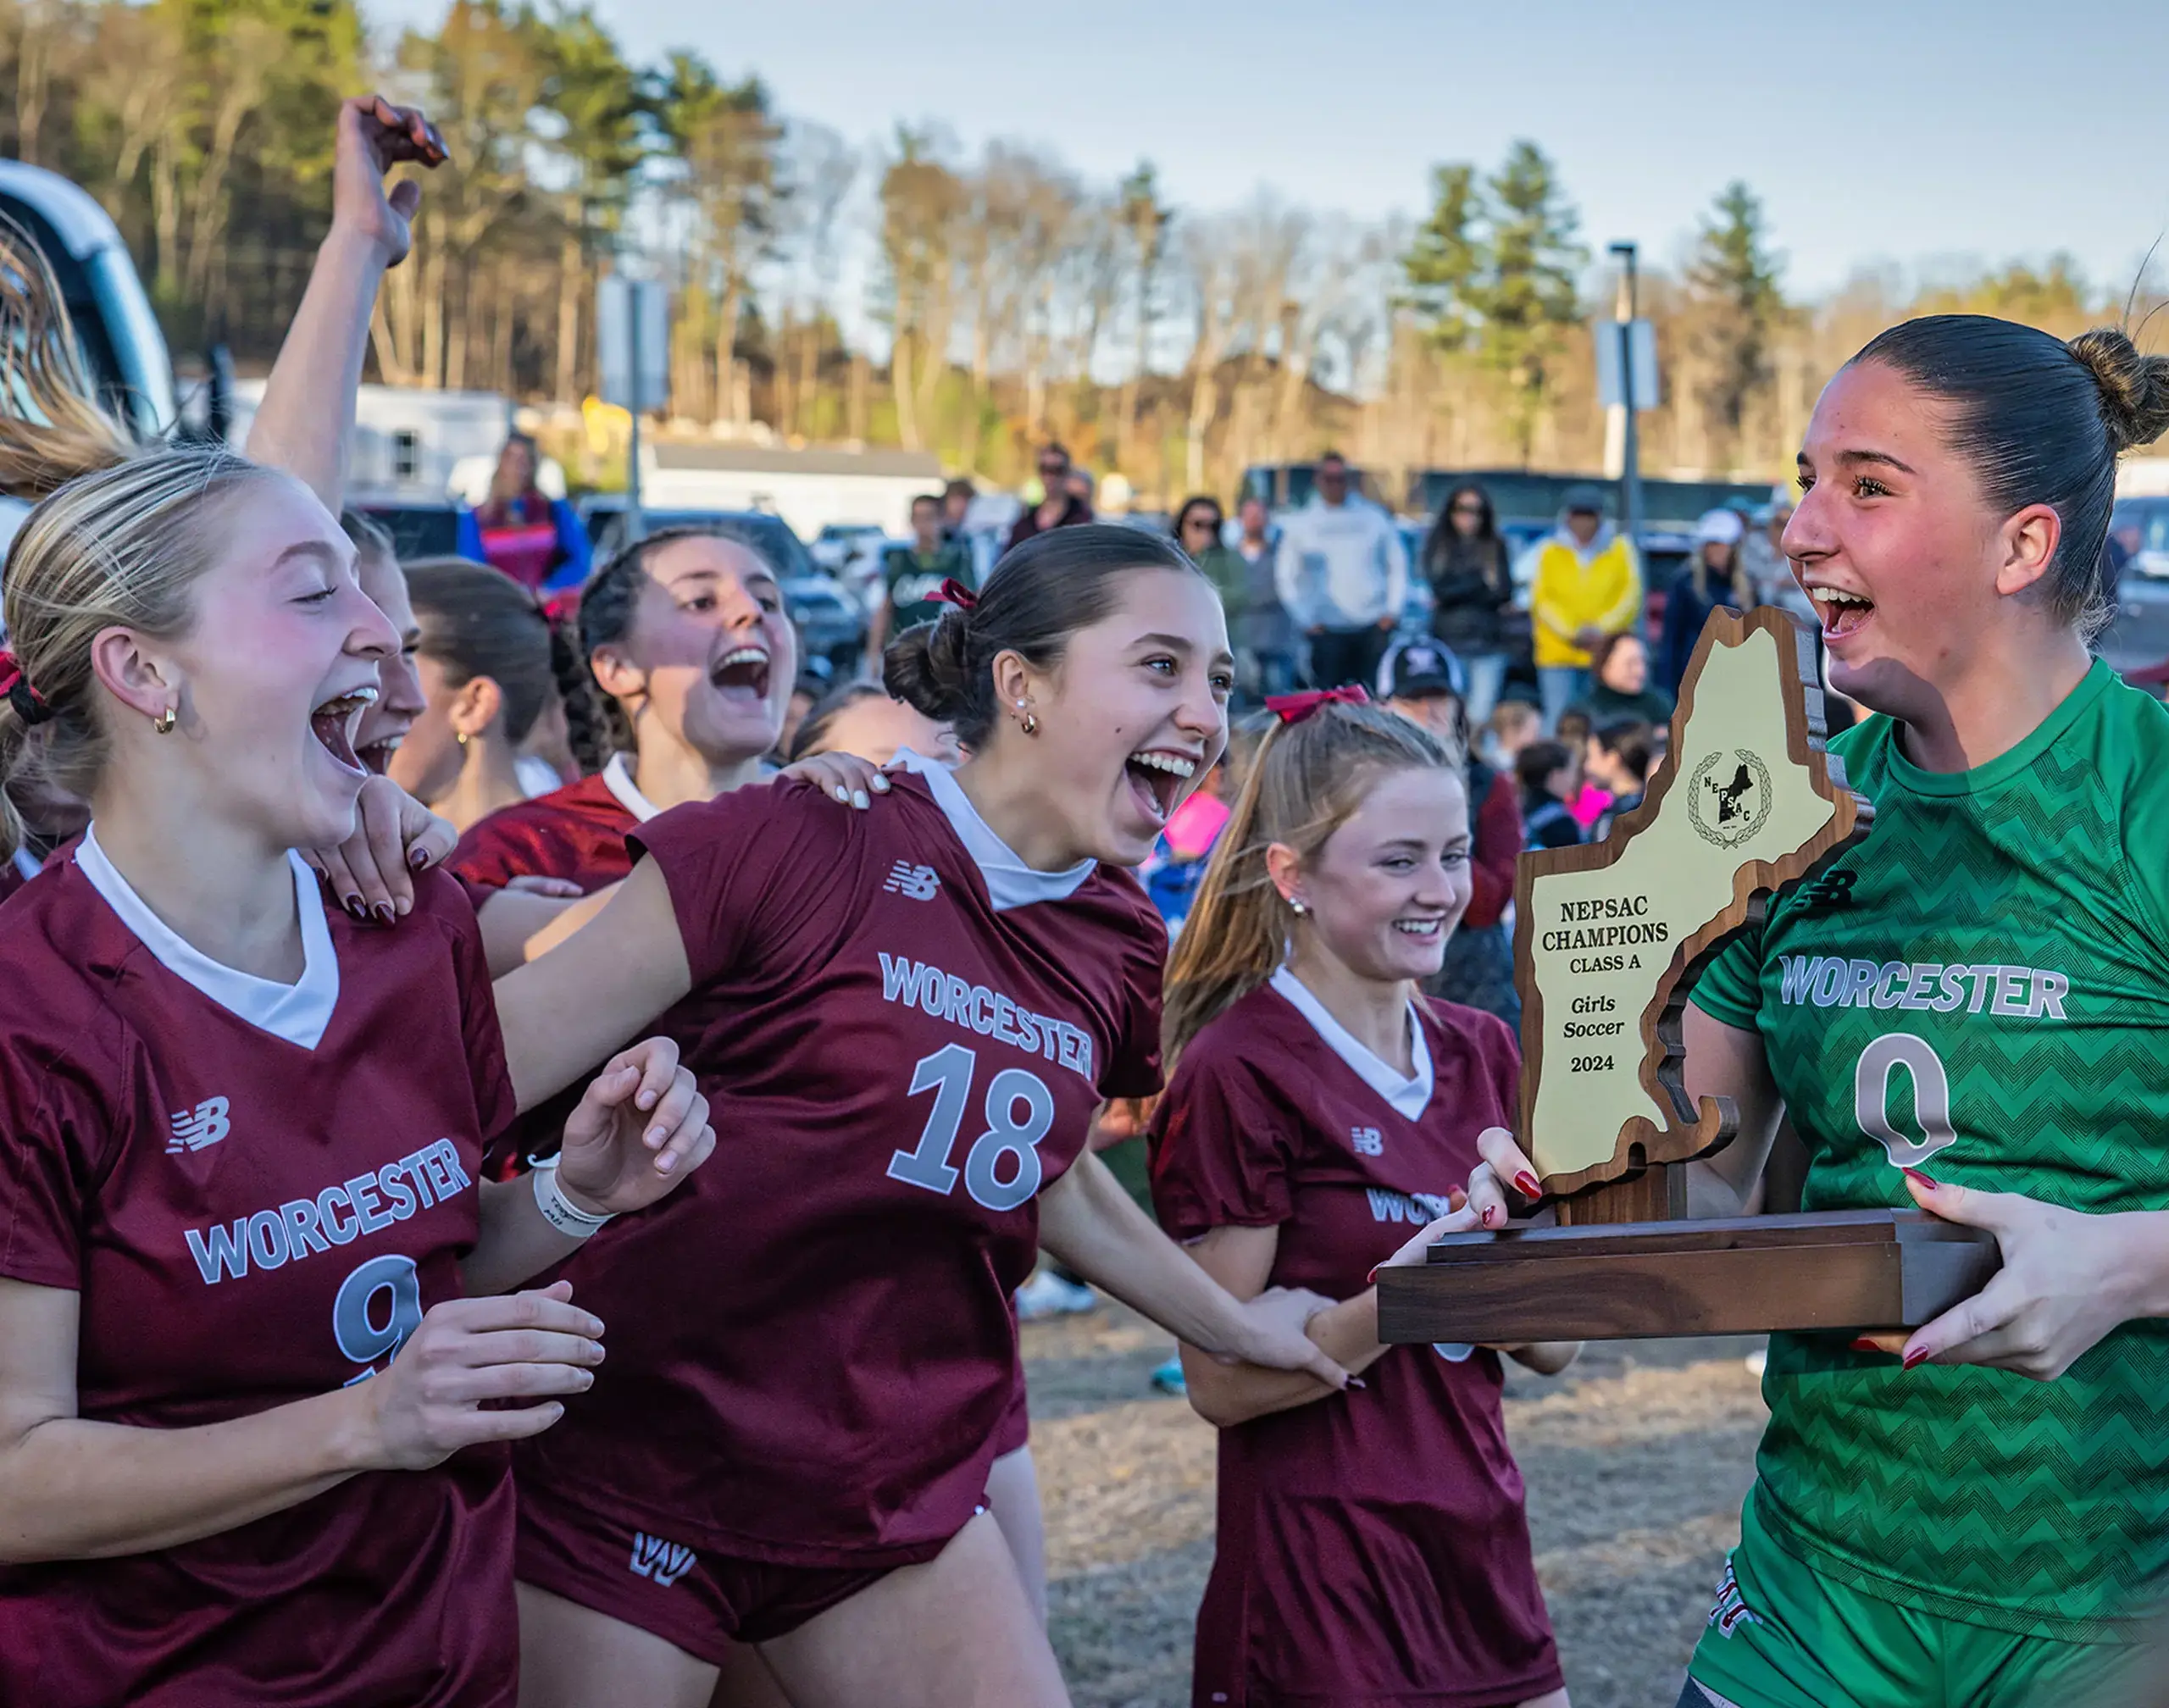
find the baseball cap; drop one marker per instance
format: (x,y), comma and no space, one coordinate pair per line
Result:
(1420,668)
(1584,497)
(1719,527)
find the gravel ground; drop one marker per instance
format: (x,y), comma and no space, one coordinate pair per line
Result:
(1636,1460)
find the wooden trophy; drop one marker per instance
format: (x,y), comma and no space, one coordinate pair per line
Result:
(1608,939)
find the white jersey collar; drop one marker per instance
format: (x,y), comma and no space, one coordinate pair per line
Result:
(299,1012)
(1009,883)
(618,779)
(1409,1097)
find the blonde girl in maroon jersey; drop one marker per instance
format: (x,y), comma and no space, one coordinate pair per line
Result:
(1371,1546)
(211,1085)
(799,1466)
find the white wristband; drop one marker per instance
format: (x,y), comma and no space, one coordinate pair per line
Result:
(558,1210)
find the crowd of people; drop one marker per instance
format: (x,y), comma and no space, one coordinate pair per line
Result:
(772,1064)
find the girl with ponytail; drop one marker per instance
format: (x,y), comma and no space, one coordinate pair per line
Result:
(914,1012)
(1372,1546)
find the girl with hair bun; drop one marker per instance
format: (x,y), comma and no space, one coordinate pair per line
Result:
(1371,1547)
(253,1354)
(914,1012)
(485,658)
(1976,1512)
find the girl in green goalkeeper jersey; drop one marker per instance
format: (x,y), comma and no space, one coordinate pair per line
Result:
(1976,1512)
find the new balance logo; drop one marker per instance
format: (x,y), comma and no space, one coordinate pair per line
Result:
(195,1128)
(1831,890)
(1367,1140)
(920,883)
(662,1562)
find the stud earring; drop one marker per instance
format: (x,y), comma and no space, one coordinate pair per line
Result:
(1296,907)
(164,721)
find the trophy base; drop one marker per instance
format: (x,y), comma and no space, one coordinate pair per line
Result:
(1856,1269)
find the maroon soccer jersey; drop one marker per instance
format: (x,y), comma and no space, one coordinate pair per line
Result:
(904,1033)
(1372,1545)
(256,1189)
(577,832)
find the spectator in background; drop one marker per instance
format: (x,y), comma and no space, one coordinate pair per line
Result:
(1762,556)
(1269,651)
(1342,572)
(1197,531)
(1058,506)
(1514,724)
(1585,583)
(956,506)
(1549,773)
(1619,759)
(912,577)
(1472,591)
(1422,684)
(535,539)
(1621,687)
(1715,576)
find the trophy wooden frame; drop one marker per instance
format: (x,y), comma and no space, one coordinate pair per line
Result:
(1612,935)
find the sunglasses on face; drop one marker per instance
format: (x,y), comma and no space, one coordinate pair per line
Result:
(1203,524)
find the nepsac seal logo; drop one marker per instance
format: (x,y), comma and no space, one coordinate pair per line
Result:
(1729,798)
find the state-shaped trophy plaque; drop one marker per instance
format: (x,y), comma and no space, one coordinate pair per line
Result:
(1608,940)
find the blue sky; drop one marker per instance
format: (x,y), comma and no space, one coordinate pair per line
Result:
(1923,133)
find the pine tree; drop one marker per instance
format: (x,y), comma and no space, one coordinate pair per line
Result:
(1739,308)
(1447,258)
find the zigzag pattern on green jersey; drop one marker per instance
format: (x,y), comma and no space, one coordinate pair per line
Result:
(1968,1492)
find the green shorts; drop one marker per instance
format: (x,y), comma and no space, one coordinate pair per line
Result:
(1781,1636)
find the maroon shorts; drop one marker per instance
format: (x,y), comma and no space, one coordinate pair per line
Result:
(702,1601)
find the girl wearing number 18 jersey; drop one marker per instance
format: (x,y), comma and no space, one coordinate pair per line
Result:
(911,1014)
(1964,1013)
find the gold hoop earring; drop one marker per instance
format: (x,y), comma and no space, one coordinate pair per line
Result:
(164,721)
(1031,724)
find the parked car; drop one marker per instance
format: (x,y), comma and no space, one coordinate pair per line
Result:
(831,626)
(2138,636)
(115,330)
(839,542)
(419,527)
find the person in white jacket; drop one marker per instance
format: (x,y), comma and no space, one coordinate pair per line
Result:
(1343,576)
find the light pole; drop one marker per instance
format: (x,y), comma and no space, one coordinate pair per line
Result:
(1630,479)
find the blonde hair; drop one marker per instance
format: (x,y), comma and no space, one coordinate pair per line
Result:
(1308,780)
(122,548)
(52,426)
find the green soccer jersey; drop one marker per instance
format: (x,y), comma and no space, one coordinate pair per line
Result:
(1980,990)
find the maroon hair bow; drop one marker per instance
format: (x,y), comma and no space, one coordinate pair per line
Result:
(1294,708)
(955,592)
(29,704)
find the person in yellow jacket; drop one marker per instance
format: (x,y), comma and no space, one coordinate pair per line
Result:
(1585,583)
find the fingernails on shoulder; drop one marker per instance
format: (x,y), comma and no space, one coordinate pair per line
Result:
(666,1163)
(843,794)
(1528,1184)
(417,858)
(881,784)
(384,912)
(1920,1179)
(1918,1354)
(858,799)
(354,906)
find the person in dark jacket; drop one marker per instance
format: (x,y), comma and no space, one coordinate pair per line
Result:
(1620,685)
(1059,505)
(1471,593)
(1549,773)
(1715,576)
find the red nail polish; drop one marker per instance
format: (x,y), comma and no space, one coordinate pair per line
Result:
(1528,1184)
(1864,1344)
(1915,1175)
(1372,1277)
(1915,1356)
